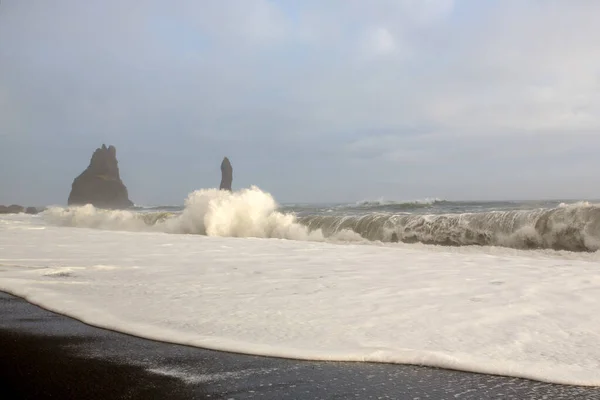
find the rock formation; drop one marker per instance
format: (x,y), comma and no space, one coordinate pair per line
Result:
(100,184)
(226,175)
(12,209)
(16,209)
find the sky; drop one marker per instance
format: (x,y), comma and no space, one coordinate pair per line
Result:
(312,100)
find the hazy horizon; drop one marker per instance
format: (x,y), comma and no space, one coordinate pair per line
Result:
(314,102)
(398,201)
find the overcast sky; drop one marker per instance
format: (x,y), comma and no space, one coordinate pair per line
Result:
(312,100)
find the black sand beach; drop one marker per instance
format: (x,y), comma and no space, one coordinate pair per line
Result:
(46,355)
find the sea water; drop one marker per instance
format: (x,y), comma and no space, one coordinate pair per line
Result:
(238,272)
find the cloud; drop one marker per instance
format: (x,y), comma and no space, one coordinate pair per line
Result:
(380,41)
(524,66)
(334,91)
(232,22)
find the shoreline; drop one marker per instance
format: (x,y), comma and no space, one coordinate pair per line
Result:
(48,355)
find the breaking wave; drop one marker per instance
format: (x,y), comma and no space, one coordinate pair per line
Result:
(399,205)
(212,212)
(254,213)
(569,227)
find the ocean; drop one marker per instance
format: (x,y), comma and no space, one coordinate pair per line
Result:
(509,288)
(557,224)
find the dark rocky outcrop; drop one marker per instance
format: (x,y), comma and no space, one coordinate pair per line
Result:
(12,209)
(16,209)
(226,175)
(100,184)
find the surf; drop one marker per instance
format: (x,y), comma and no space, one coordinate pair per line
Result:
(251,212)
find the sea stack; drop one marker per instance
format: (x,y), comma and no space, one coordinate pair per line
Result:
(226,175)
(100,184)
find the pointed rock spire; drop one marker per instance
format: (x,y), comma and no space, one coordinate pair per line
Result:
(226,175)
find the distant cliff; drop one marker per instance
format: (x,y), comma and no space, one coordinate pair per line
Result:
(100,183)
(226,175)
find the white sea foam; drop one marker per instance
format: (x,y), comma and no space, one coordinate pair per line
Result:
(383,202)
(254,213)
(245,213)
(577,204)
(490,310)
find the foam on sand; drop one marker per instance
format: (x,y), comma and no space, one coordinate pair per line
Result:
(516,313)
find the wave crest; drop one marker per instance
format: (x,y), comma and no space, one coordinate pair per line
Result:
(574,228)
(245,213)
(253,213)
(212,212)
(397,205)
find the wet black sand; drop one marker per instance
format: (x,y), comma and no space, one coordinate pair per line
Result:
(45,355)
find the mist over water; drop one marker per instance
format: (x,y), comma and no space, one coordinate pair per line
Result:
(559,225)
